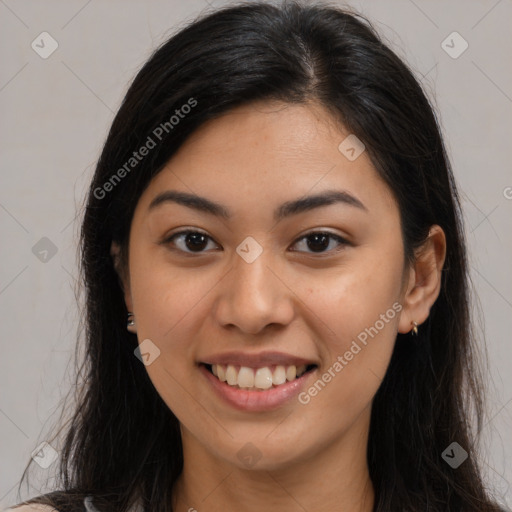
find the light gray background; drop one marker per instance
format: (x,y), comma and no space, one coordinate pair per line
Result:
(55,116)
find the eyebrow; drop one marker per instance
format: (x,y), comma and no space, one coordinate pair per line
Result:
(287,209)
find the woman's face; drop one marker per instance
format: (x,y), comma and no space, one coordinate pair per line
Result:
(263,294)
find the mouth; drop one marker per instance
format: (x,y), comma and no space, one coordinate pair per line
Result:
(258,379)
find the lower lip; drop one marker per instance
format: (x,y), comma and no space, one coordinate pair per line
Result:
(256,401)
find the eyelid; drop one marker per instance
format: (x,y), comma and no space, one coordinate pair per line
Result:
(319,231)
(341,239)
(167,239)
(324,231)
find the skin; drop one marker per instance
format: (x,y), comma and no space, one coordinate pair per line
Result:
(301,302)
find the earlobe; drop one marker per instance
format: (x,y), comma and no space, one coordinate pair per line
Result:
(425,281)
(130,323)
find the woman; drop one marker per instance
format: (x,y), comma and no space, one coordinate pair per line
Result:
(276,283)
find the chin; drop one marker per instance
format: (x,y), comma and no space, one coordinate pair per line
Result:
(263,454)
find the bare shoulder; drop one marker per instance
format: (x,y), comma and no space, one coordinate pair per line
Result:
(34,507)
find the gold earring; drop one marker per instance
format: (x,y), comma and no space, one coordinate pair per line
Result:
(414,328)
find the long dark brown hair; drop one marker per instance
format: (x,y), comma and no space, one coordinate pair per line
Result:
(122,443)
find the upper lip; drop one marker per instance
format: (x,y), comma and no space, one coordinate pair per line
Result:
(259,360)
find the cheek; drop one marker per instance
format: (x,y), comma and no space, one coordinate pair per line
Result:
(165,297)
(352,297)
(168,302)
(360,305)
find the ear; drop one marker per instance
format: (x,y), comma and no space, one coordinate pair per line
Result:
(122,272)
(424,283)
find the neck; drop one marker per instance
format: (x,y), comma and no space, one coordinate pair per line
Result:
(336,478)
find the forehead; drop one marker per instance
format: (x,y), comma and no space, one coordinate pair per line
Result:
(269,152)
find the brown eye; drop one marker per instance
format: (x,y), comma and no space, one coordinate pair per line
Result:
(320,241)
(189,241)
(196,242)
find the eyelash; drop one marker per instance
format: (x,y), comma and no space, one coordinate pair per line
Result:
(338,238)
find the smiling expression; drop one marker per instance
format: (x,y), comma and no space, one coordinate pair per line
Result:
(295,250)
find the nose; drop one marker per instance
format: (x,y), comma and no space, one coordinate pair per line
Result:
(254,295)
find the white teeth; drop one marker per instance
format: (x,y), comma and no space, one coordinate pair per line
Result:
(245,377)
(279,375)
(231,375)
(221,372)
(259,378)
(263,378)
(291,372)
